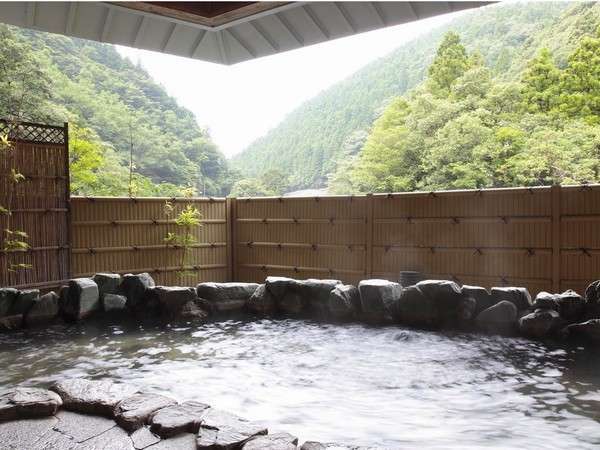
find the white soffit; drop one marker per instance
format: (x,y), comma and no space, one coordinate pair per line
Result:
(269,28)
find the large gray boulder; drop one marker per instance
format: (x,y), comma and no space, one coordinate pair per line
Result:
(344,302)
(592,301)
(571,306)
(275,441)
(82,299)
(135,411)
(498,319)
(292,303)
(43,311)
(278,286)
(176,419)
(447,297)
(540,323)
(13,322)
(545,300)
(518,296)
(589,330)
(7,298)
(108,283)
(415,308)
(24,301)
(378,298)
(194,310)
(25,403)
(171,299)
(135,288)
(316,294)
(592,292)
(99,397)
(226,296)
(221,430)
(482,296)
(261,301)
(114,302)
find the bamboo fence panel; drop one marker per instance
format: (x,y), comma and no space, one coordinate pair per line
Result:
(126,235)
(579,230)
(321,237)
(40,205)
(493,237)
(540,238)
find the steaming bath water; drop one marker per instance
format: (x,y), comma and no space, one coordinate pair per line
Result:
(387,386)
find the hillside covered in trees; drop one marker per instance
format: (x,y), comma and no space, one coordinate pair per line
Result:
(115,109)
(324,137)
(463,129)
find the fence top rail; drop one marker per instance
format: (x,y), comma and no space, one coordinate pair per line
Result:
(35,133)
(33,124)
(81,198)
(308,197)
(441,193)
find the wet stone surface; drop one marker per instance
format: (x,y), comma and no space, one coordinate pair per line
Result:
(93,397)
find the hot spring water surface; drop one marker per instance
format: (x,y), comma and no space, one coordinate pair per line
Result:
(385,386)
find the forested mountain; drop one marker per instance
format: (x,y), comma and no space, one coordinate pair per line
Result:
(112,105)
(463,129)
(333,126)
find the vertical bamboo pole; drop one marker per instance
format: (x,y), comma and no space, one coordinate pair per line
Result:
(231,238)
(67,174)
(369,237)
(556,244)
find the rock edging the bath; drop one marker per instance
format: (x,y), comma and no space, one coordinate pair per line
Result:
(80,414)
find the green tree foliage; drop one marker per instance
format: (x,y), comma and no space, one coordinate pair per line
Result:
(90,84)
(581,81)
(250,187)
(309,143)
(541,83)
(475,131)
(450,63)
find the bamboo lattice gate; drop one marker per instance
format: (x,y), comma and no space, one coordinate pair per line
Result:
(39,204)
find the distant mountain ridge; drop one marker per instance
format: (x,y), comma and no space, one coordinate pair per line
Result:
(307,144)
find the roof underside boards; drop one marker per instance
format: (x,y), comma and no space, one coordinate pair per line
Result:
(252,30)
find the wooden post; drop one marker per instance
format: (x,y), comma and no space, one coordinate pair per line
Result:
(369,237)
(231,238)
(228,202)
(556,238)
(67,173)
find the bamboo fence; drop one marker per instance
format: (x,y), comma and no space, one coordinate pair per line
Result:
(39,204)
(543,238)
(127,235)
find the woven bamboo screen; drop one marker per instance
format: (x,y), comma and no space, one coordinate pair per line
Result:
(39,203)
(125,235)
(541,238)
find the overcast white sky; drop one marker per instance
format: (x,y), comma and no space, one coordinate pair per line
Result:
(242,102)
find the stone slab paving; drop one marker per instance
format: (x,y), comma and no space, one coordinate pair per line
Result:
(143,438)
(102,415)
(93,397)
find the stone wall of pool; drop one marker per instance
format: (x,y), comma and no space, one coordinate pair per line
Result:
(86,414)
(429,304)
